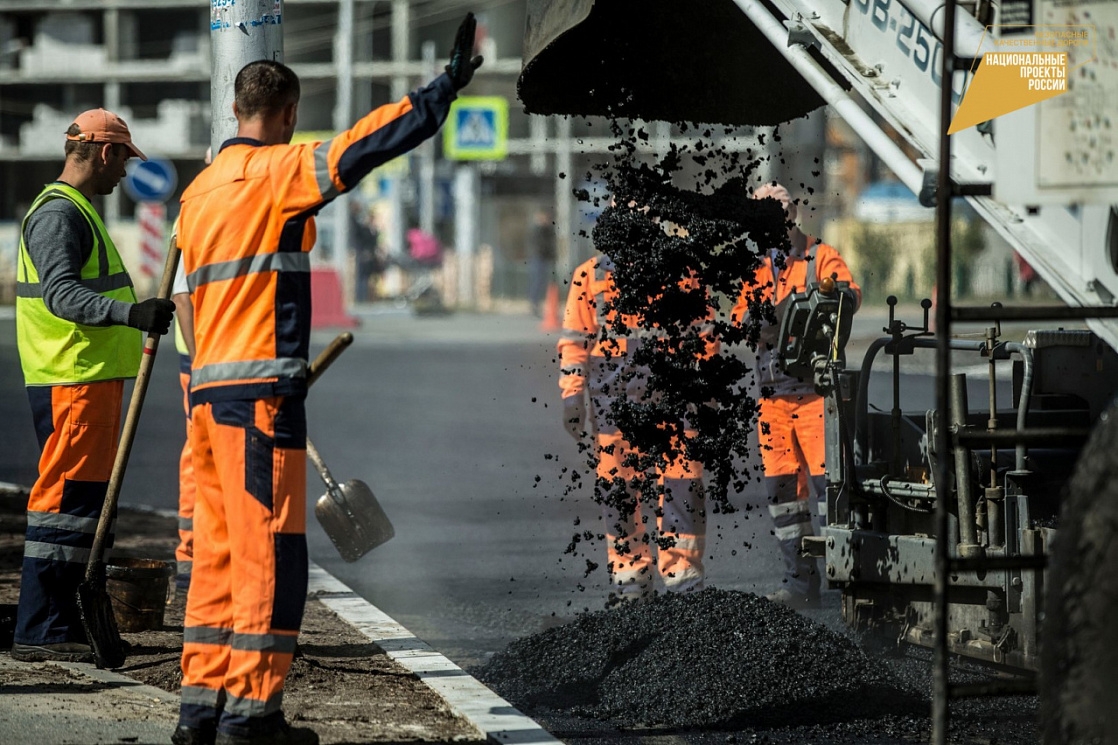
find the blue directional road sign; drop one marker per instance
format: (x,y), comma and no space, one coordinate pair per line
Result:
(477,129)
(152,180)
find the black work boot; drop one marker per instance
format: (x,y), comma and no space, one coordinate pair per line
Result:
(184,735)
(285,735)
(60,652)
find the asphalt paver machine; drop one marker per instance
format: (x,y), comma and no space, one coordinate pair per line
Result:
(981,527)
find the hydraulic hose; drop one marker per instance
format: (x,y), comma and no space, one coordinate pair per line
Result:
(1023,401)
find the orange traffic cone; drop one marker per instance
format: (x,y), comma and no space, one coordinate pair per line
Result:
(550,320)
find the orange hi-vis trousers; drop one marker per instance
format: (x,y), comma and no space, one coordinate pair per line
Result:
(184,552)
(681,524)
(77,428)
(792,452)
(249,582)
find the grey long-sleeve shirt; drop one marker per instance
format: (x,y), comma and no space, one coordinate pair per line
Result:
(59,241)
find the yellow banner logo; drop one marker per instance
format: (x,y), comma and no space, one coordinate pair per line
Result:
(1024,71)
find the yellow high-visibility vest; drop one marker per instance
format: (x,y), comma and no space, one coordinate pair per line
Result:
(54,351)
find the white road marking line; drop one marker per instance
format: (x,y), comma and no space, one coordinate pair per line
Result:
(466,696)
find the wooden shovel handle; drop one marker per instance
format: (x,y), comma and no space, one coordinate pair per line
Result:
(327,356)
(131,419)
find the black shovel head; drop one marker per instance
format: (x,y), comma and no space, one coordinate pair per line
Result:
(353,519)
(100,624)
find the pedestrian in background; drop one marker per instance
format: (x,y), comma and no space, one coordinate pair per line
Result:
(790,422)
(78,330)
(541,260)
(363,240)
(598,366)
(246,226)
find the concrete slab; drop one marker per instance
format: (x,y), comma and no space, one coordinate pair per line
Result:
(60,703)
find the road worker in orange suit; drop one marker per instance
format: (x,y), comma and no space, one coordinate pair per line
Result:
(791,412)
(184,345)
(595,367)
(78,333)
(246,226)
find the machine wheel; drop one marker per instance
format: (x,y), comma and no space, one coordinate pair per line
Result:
(1079,644)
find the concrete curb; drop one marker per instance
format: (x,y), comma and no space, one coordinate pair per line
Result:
(496,718)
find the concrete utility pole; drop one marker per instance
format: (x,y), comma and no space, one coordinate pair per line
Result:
(427,155)
(467,187)
(343,118)
(401,39)
(564,183)
(240,32)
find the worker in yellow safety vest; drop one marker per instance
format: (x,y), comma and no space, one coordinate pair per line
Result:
(78,330)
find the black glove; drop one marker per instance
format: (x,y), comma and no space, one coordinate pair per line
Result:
(461,67)
(153,315)
(574,416)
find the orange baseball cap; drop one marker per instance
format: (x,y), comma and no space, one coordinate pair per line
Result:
(775,191)
(98,125)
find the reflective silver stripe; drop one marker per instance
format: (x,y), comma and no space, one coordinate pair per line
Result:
(600,272)
(226,270)
(634,578)
(795,530)
(322,171)
(706,328)
(789,508)
(686,543)
(683,580)
(62,522)
(573,370)
(55,552)
(203,696)
(641,332)
(96,284)
(251,707)
(184,567)
(265,643)
(822,509)
(577,335)
(207,635)
(186,523)
(284,367)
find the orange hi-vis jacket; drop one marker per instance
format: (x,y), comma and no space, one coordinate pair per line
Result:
(590,361)
(246,225)
(792,278)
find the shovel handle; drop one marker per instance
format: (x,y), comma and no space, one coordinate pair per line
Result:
(131,420)
(327,356)
(320,466)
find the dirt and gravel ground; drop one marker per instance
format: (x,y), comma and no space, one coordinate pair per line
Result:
(341,684)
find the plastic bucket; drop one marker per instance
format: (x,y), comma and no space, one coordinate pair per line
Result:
(138,591)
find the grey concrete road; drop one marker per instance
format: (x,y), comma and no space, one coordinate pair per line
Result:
(453,422)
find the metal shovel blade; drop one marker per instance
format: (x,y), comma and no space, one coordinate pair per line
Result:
(353,519)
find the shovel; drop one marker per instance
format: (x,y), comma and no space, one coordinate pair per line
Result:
(93,596)
(349,513)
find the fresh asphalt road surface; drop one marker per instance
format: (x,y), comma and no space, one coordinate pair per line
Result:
(453,422)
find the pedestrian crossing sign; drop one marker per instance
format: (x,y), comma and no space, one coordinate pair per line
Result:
(478,129)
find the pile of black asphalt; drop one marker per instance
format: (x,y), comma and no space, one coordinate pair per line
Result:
(714,659)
